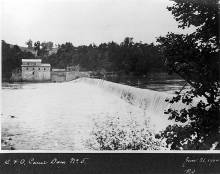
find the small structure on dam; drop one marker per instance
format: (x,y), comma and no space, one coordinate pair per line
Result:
(58,75)
(34,70)
(68,74)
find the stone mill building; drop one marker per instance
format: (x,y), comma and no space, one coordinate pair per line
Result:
(34,70)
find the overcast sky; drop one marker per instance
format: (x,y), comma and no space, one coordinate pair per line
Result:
(85,21)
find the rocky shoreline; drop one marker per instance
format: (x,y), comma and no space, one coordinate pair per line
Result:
(6,145)
(6,139)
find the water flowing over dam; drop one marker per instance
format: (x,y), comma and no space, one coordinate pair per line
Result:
(148,100)
(59,116)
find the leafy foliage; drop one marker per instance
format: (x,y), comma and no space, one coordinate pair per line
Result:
(29,43)
(11,59)
(43,48)
(195,57)
(124,58)
(127,57)
(111,134)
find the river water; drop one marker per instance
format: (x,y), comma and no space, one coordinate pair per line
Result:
(59,116)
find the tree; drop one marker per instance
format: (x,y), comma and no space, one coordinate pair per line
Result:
(49,45)
(127,57)
(11,59)
(195,57)
(29,43)
(37,47)
(43,48)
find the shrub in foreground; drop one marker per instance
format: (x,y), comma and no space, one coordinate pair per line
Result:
(112,134)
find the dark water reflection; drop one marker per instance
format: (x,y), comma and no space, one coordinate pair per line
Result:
(154,81)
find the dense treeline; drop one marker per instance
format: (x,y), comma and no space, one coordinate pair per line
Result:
(127,57)
(11,59)
(124,58)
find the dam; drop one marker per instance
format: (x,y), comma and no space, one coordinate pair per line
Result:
(59,116)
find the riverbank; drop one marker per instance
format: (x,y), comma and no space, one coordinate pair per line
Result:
(6,142)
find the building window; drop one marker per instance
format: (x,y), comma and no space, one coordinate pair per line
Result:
(27,68)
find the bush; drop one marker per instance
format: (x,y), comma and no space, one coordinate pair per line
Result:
(112,134)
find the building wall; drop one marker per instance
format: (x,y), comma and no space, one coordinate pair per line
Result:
(61,76)
(16,76)
(58,76)
(36,73)
(31,63)
(72,75)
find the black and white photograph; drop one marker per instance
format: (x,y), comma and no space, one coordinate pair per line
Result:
(110,86)
(110,75)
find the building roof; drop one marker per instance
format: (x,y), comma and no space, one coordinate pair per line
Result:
(31,60)
(41,65)
(58,70)
(45,64)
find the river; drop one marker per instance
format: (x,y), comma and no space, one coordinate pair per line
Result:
(59,116)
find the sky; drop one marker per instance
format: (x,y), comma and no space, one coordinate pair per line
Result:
(83,22)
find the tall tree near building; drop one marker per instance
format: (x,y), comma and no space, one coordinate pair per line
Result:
(11,59)
(43,48)
(37,48)
(29,43)
(195,57)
